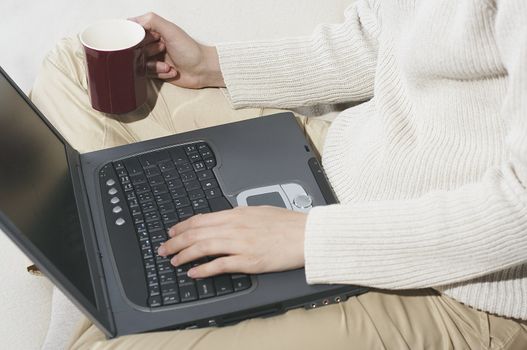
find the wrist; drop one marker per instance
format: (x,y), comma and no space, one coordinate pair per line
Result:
(211,74)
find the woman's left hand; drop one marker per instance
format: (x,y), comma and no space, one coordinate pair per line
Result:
(246,239)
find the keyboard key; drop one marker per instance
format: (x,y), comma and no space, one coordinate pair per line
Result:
(141,188)
(118,164)
(210,163)
(170,224)
(124,180)
(194,157)
(152,171)
(140,227)
(199,204)
(171,174)
(223,284)
(167,277)
(151,271)
(159,189)
(143,236)
(156,180)
(154,301)
(148,206)
(122,172)
(212,193)
(153,290)
(151,216)
(165,267)
(185,213)
(207,154)
(218,204)
(128,187)
(202,211)
(166,208)
(163,198)
(207,185)
(205,175)
(188,176)
(182,269)
(205,288)
(178,155)
(184,167)
(241,282)
(181,202)
(158,236)
(138,219)
(149,263)
(202,146)
(190,148)
(170,299)
(138,179)
(199,166)
(183,279)
(133,166)
(192,185)
(145,197)
(133,203)
(174,184)
(169,288)
(166,165)
(154,226)
(169,217)
(188,293)
(196,194)
(152,158)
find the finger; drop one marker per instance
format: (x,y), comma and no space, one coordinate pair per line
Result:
(176,244)
(151,37)
(154,49)
(157,67)
(153,22)
(219,218)
(218,266)
(205,248)
(172,74)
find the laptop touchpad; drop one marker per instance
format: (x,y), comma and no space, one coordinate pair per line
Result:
(290,196)
(272,198)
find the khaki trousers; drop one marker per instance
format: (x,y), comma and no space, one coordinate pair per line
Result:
(376,320)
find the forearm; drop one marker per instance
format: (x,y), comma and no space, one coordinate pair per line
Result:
(336,64)
(440,238)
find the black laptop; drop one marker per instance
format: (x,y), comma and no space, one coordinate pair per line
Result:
(93,222)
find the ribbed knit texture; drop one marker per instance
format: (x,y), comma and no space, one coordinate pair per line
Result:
(431,172)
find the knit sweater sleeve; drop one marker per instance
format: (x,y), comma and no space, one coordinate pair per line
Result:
(442,237)
(336,64)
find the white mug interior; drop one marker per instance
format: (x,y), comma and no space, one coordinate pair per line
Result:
(112,35)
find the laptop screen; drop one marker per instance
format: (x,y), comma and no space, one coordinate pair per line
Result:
(36,191)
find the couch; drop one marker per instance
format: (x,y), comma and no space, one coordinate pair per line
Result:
(30,29)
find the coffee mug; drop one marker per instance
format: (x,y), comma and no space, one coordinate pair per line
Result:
(116,66)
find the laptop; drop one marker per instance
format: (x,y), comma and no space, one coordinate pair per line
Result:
(92,222)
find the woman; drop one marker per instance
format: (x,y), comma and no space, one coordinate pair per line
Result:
(431,172)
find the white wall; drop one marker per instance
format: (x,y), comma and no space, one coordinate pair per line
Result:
(29,28)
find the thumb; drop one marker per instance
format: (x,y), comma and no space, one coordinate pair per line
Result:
(153,22)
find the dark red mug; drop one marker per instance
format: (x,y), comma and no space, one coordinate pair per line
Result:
(116,66)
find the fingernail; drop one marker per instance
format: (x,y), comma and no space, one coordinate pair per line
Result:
(171,233)
(162,251)
(174,261)
(191,273)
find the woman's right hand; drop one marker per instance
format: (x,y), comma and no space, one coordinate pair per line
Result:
(175,57)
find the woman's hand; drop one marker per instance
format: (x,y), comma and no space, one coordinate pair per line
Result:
(172,55)
(246,239)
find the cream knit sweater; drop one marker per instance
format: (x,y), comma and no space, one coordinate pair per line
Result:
(431,172)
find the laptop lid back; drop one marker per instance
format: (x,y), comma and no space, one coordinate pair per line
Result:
(38,208)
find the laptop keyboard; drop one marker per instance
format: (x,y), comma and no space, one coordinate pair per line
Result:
(163,188)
